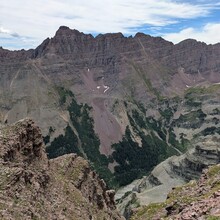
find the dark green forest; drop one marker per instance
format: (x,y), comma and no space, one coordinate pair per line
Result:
(133,159)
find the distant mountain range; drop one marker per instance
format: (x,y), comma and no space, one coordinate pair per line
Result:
(123,103)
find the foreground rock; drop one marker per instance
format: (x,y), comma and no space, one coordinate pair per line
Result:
(195,200)
(31,187)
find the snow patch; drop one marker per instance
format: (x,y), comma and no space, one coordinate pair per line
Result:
(106,88)
(188,86)
(98,87)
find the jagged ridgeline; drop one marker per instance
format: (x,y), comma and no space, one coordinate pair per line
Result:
(123,103)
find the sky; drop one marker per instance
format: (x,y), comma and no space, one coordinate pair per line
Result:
(24,24)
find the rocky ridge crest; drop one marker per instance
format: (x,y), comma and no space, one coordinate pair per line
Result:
(32,187)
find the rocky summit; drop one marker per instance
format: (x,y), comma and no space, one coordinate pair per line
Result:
(32,187)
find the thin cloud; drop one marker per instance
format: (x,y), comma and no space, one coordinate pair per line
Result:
(8,32)
(14,41)
(4,31)
(207,33)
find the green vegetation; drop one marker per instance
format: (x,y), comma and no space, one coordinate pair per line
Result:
(63,94)
(69,143)
(213,218)
(148,212)
(135,160)
(123,197)
(156,137)
(210,131)
(194,95)
(143,75)
(167,113)
(194,91)
(150,124)
(63,144)
(183,196)
(193,119)
(213,170)
(193,103)
(182,145)
(193,115)
(79,115)
(46,139)
(215,111)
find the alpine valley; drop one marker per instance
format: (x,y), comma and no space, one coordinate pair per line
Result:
(144,112)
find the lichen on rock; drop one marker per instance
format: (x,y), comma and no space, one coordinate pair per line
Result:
(33,187)
(195,200)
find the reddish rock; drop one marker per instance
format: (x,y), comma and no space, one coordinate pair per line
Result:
(31,187)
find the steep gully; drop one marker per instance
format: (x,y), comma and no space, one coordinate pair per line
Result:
(105,123)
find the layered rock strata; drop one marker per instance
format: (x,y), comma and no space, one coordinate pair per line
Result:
(195,200)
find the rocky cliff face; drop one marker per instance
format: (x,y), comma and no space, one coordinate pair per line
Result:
(33,187)
(82,63)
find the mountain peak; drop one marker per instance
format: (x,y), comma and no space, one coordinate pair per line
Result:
(63,27)
(64,30)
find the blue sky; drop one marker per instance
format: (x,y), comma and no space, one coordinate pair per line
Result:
(26,23)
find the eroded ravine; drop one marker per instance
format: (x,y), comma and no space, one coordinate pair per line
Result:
(105,124)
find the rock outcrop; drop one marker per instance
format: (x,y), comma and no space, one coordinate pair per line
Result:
(171,173)
(195,200)
(33,187)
